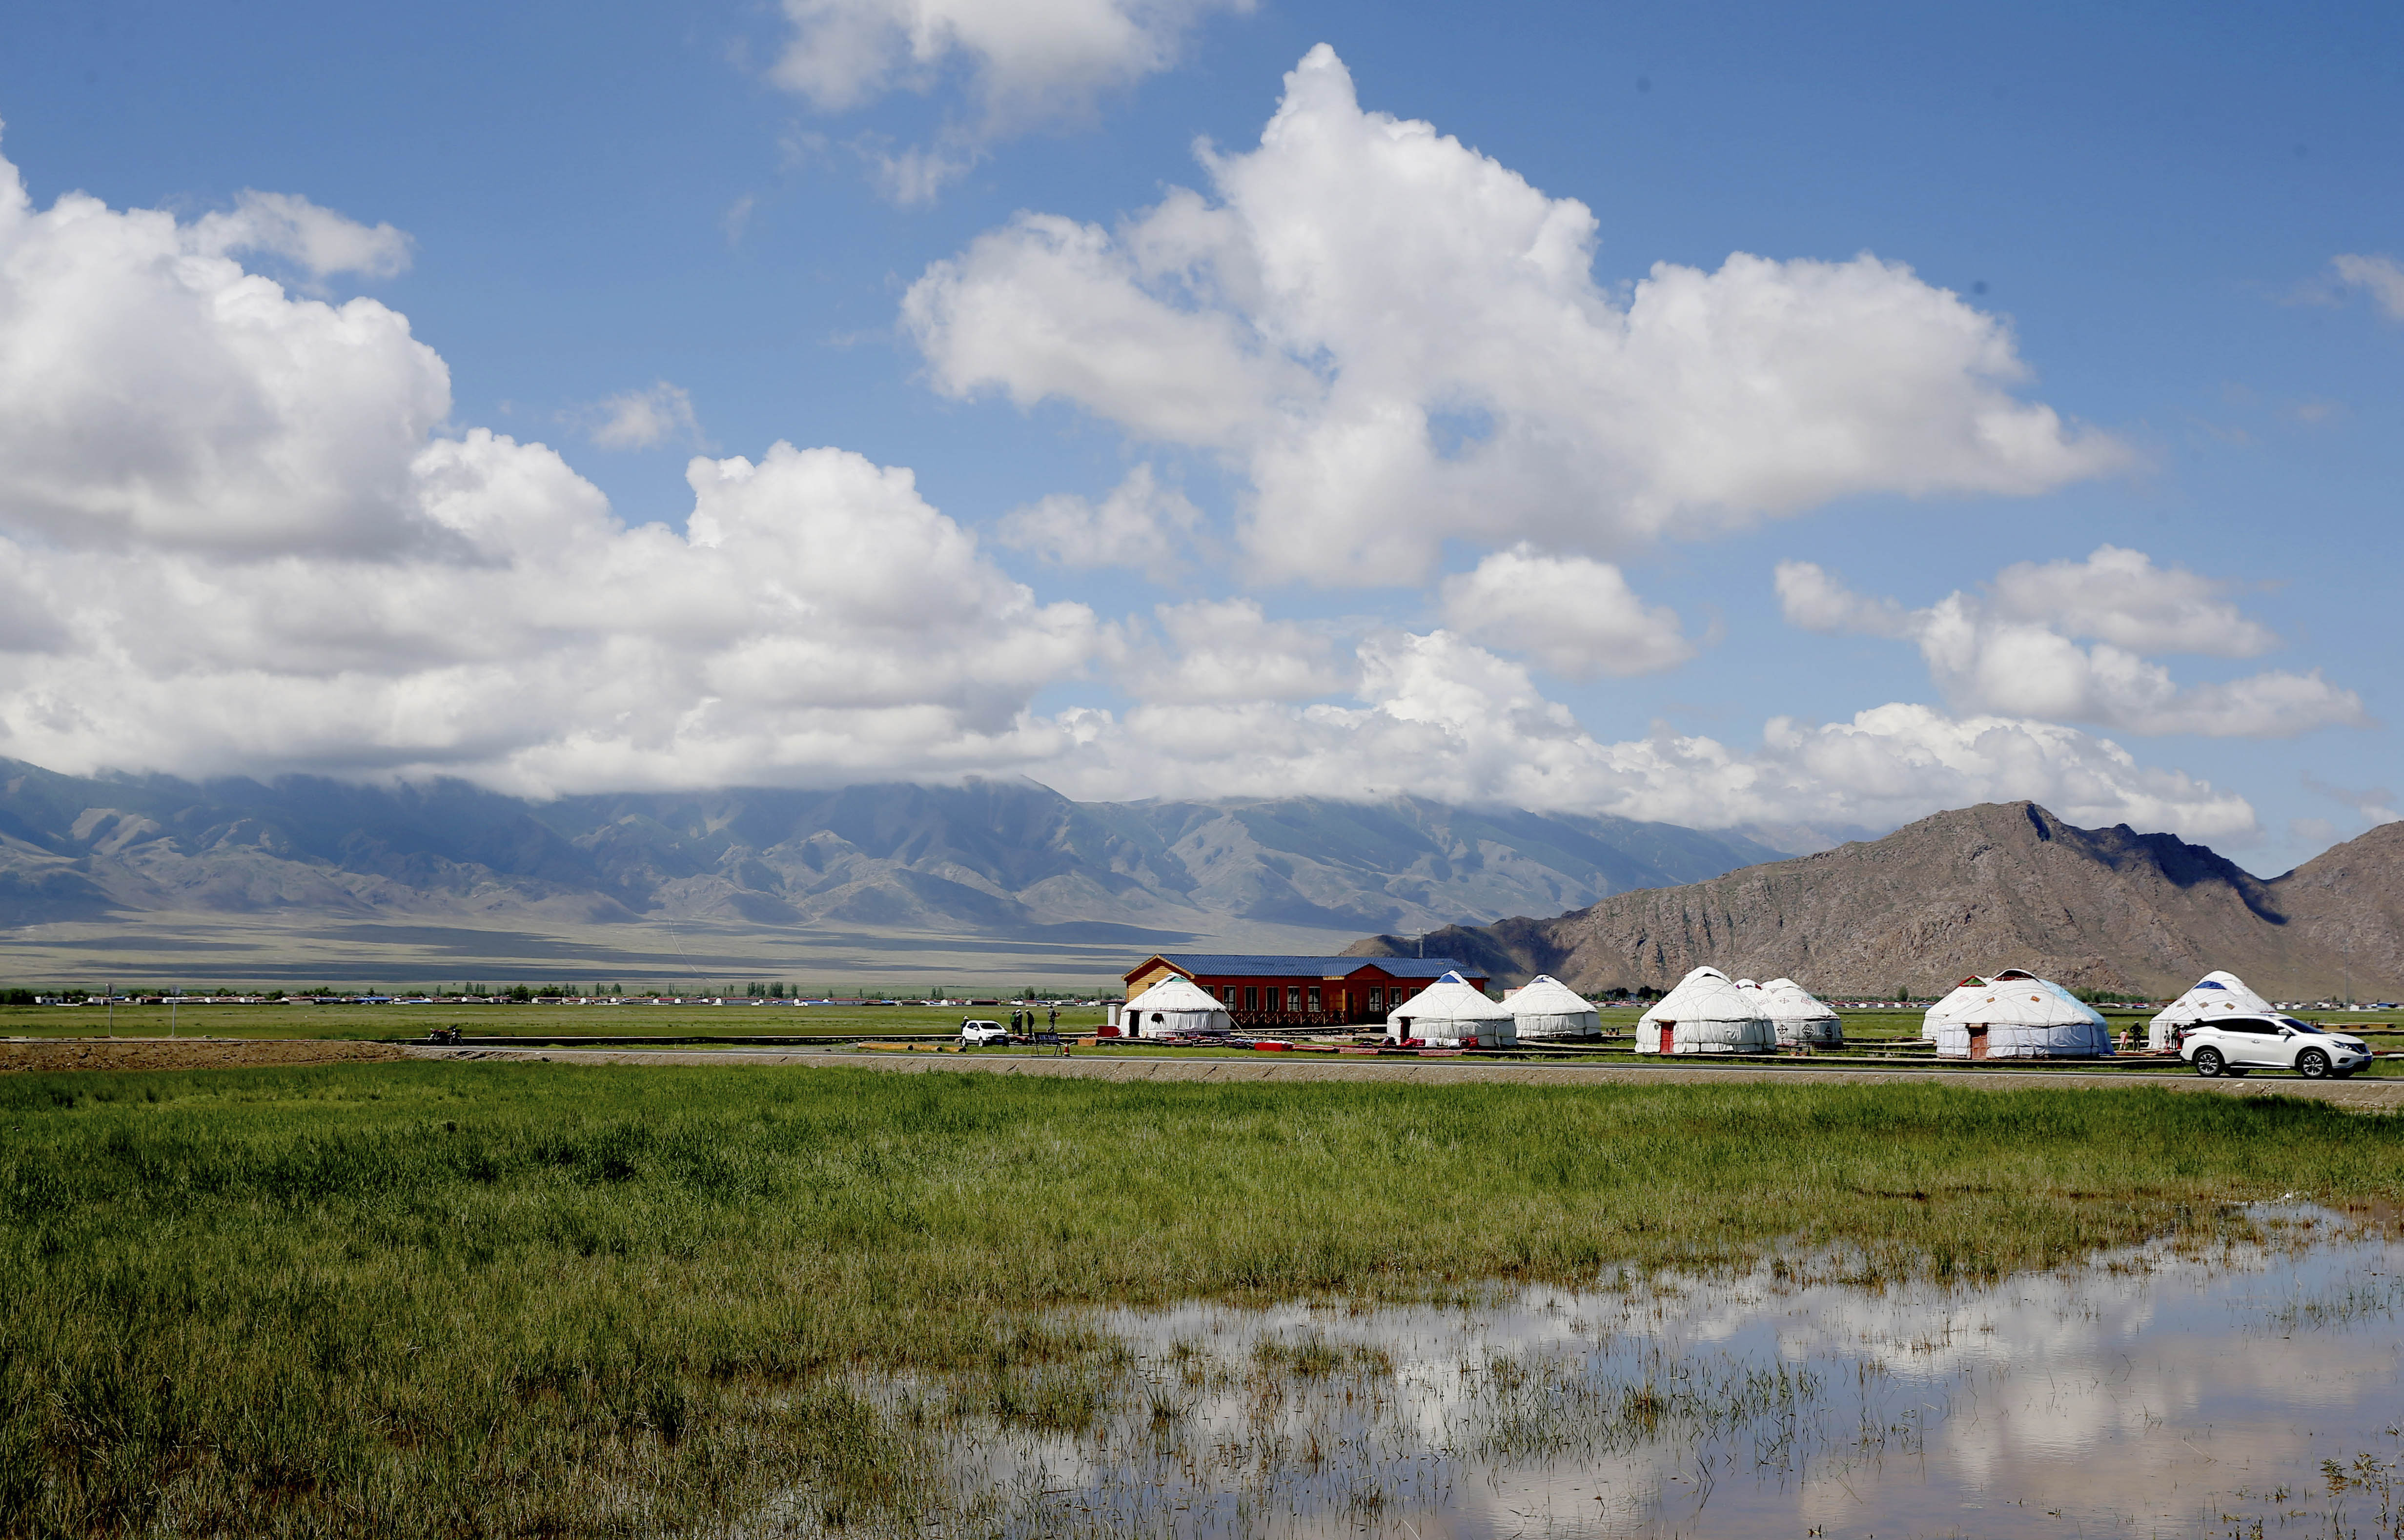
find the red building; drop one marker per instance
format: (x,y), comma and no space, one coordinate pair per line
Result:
(1280,991)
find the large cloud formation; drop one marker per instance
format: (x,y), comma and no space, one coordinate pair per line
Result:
(1400,340)
(2017,648)
(237,542)
(235,536)
(1437,716)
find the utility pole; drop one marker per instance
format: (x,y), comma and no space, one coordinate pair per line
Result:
(173,997)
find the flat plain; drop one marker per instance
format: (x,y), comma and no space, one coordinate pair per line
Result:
(486,1298)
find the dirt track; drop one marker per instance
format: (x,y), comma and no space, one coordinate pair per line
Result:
(185,1052)
(2366,1095)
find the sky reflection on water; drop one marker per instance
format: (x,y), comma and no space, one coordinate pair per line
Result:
(2154,1394)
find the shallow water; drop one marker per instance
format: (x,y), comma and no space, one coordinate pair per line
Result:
(2154,1394)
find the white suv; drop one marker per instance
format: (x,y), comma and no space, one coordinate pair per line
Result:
(976,1035)
(2235,1044)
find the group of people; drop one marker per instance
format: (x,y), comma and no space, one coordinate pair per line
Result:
(1022,1025)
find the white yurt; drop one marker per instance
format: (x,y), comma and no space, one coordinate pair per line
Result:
(2215,994)
(1544,1007)
(1452,1014)
(1172,1007)
(1706,1014)
(1796,1014)
(2016,1015)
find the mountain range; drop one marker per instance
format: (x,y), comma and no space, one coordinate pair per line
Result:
(102,863)
(1975,890)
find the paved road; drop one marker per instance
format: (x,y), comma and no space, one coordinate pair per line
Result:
(2369,1095)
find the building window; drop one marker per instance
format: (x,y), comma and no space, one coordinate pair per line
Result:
(1293,997)
(1251,997)
(1377,1000)
(1229,991)
(1314,1000)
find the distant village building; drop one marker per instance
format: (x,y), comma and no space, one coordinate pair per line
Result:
(1288,992)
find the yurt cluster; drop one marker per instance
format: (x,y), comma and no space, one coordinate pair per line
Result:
(1708,1013)
(2013,1014)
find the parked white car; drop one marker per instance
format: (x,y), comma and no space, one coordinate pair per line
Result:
(2235,1044)
(976,1035)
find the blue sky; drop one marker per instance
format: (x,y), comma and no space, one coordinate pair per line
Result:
(1406,499)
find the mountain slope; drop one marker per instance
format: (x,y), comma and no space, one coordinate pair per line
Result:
(988,858)
(1976,890)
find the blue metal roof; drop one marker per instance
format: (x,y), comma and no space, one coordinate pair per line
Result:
(1275,967)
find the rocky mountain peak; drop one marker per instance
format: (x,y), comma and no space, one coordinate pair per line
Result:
(1973,889)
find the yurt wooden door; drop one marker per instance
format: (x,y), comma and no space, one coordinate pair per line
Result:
(1669,1037)
(1979,1039)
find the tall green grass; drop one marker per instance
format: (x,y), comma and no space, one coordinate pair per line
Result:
(467,1299)
(370,1022)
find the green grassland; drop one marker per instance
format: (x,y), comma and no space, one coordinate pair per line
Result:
(480,1298)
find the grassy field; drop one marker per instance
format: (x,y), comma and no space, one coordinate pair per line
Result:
(469,1300)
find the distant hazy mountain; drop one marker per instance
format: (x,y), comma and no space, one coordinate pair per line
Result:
(1978,889)
(990,858)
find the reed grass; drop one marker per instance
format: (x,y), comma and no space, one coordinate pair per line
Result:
(470,1299)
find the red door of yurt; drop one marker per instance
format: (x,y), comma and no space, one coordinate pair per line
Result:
(1978,1041)
(1669,1037)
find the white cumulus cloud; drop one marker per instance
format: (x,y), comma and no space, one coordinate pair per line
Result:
(317,239)
(642,419)
(2381,278)
(1435,716)
(1575,616)
(1816,599)
(1029,60)
(1401,342)
(152,390)
(1140,524)
(236,541)
(1225,650)
(2068,641)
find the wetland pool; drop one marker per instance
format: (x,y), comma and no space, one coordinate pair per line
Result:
(2163,1392)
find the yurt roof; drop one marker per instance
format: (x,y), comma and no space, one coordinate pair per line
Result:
(1450,998)
(2214,994)
(1546,996)
(1175,994)
(1969,992)
(1790,1001)
(2014,997)
(1707,995)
